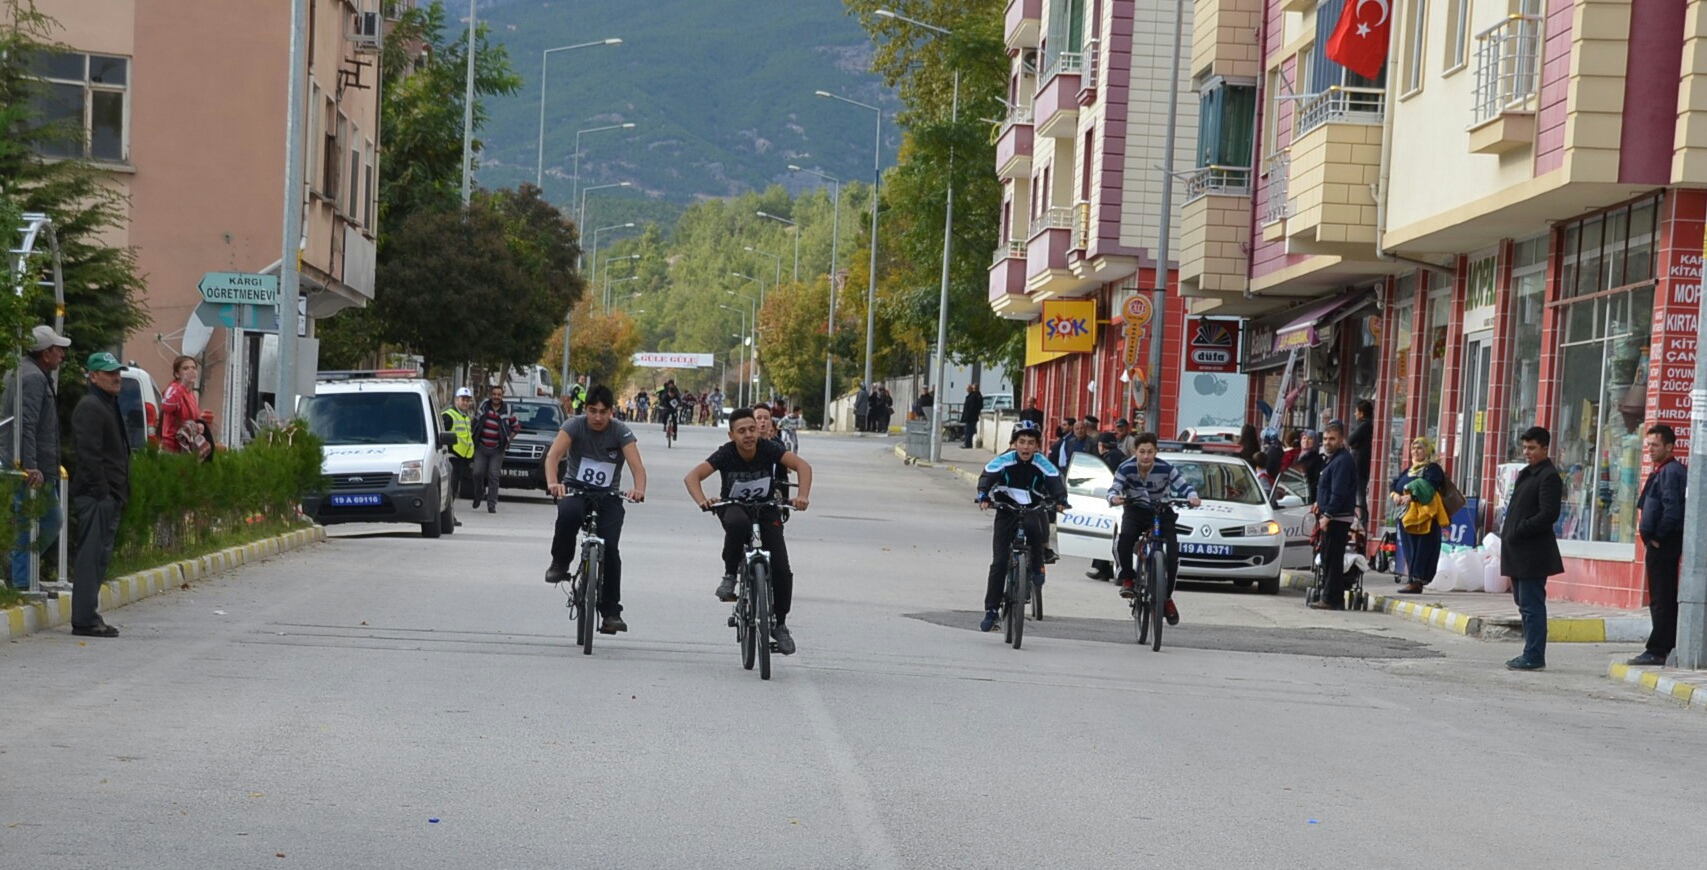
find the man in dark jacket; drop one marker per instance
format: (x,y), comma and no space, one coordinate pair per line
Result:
(1310,459)
(1529,551)
(1361,441)
(1108,448)
(38,442)
(1661,503)
(99,490)
(862,408)
(494,425)
(1336,503)
(970,410)
(1032,413)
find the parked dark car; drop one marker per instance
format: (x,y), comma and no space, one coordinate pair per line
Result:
(524,462)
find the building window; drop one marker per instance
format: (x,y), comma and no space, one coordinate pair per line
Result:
(1439,319)
(1457,35)
(1416,26)
(1523,360)
(1226,125)
(1607,301)
(1399,378)
(1324,73)
(85,97)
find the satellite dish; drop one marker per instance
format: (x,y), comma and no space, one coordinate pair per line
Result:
(196,335)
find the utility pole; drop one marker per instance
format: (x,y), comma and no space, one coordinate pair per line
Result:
(468,115)
(1158,317)
(942,302)
(567,316)
(1691,650)
(284,400)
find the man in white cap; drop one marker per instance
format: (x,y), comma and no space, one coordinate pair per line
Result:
(37,439)
(457,421)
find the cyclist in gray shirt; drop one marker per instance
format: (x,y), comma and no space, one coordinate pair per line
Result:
(597,446)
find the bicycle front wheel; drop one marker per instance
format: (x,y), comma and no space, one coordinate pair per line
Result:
(592,569)
(762,616)
(1157,595)
(1017,596)
(744,623)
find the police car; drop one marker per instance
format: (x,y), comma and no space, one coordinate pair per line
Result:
(1238,534)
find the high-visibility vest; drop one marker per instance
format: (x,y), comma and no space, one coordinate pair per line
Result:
(462,426)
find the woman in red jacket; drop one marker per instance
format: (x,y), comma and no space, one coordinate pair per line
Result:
(181,426)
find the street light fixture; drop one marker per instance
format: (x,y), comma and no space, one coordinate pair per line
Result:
(596,231)
(876,184)
(757,304)
(746,338)
(609,282)
(576,190)
(581,214)
(830,326)
(539,155)
(947,251)
(604,268)
(783,220)
(777,257)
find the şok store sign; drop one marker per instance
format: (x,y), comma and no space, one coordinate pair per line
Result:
(1070,326)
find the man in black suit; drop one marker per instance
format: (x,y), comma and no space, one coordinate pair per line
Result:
(970,410)
(1032,413)
(1529,551)
(1662,531)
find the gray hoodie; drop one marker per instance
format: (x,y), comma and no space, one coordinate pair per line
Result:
(40,415)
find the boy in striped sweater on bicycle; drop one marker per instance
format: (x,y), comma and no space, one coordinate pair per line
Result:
(1143,484)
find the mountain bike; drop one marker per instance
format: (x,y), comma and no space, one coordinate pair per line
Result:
(1019,589)
(754,615)
(670,428)
(583,589)
(1151,592)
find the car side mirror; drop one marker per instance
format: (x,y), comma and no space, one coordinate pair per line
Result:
(1288,501)
(447,440)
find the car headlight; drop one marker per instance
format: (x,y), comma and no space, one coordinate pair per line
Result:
(1269,527)
(411,473)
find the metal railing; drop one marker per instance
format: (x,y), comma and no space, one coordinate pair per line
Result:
(1341,105)
(1013,250)
(1219,180)
(1055,218)
(1082,219)
(1016,116)
(1065,63)
(1090,66)
(1279,197)
(1508,67)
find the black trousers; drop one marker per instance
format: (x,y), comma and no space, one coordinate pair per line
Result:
(738,530)
(1007,528)
(488,463)
(1663,563)
(571,512)
(97,527)
(1135,522)
(459,469)
(1333,545)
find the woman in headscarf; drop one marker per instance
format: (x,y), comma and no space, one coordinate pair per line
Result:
(1250,449)
(1415,492)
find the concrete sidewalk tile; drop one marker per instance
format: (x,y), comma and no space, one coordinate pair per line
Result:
(1687,687)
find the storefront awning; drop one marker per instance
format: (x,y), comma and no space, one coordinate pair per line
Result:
(1304,329)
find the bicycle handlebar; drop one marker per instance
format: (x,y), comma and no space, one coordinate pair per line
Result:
(570,483)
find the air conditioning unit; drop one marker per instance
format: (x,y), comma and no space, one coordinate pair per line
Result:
(1028,61)
(365,31)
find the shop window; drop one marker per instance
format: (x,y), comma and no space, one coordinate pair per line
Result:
(1399,378)
(1226,125)
(1523,357)
(1603,389)
(1609,251)
(1439,320)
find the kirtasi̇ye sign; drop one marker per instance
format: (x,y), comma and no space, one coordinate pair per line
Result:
(1212,345)
(1070,325)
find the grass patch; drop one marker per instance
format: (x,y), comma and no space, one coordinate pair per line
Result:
(208,542)
(9,597)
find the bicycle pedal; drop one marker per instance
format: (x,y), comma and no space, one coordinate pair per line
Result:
(731,621)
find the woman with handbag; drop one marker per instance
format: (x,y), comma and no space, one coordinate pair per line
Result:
(1418,492)
(182,429)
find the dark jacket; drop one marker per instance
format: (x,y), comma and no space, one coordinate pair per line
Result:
(1528,548)
(1662,506)
(1336,492)
(1113,458)
(103,449)
(1360,440)
(1061,452)
(1035,415)
(508,425)
(1311,462)
(973,406)
(40,415)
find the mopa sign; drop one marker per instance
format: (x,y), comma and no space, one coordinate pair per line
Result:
(1070,326)
(1211,345)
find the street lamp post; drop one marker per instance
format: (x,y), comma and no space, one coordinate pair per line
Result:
(757,304)
(783,220)
(468,113)
(595,252)
(581,214)
(603,267)
(876,184)
(777,257)
(830,326)
(947,251)
(544,56)
(741,389)
(609,299)
(576,190)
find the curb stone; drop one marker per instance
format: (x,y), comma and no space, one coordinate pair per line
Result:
(1692,694)
(906,459)
(27,619)
(1601,629)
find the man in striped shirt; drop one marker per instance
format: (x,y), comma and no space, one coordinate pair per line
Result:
(1144,484)
(493,426)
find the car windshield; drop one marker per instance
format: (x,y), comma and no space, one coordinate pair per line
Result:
(1219,481)
(538,416)
(1088,475)
(366,418)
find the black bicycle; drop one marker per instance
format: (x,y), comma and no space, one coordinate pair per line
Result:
(583,591)
(670,431)
(1019,589)
(1150,595)
(754,616)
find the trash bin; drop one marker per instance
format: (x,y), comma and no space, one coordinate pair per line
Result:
(918,434)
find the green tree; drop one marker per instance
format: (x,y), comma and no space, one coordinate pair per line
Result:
(602,346)
(442,292)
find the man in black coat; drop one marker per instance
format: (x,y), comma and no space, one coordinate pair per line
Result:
(1032,413)
(1108,449)
(1362,443)
(99,490)
(1661,503)
(1336,504)
(969,413)
(1529,551)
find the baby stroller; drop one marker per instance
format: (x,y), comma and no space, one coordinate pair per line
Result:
(1354,566)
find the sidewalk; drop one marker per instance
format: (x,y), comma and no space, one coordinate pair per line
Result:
(968,464)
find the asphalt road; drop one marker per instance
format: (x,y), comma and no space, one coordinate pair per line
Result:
(386,701)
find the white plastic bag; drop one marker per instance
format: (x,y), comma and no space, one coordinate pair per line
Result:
(1445,575)
(1468,569)
(1492,579)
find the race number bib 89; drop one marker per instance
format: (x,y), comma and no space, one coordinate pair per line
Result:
(594,473)
(750,489)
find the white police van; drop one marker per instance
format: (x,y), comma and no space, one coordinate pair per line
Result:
(386,461)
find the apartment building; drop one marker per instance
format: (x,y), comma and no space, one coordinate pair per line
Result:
(1079,157)
(1503,229)
(184,104)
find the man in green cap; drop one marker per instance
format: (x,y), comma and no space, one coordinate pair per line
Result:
(99,490)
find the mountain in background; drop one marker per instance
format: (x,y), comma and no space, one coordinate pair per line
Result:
(720,91)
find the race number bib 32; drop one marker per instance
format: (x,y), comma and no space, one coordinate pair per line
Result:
(750,489)
(594,473)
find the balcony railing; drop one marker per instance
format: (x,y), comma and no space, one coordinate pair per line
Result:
(1089,82)
(1218,180)
(1066,63)
(1279,198)
(1013,250)
(1057,218)
(1016,116)
(1340,105)
(1082,225)
(1508,67)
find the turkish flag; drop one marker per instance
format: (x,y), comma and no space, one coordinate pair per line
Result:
(1359,43)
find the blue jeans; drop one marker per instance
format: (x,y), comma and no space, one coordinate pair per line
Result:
(1531,596)
(50,522)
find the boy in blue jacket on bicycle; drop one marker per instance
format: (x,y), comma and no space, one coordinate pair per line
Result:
(1019,476)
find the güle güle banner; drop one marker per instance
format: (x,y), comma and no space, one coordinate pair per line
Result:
(1359,43)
